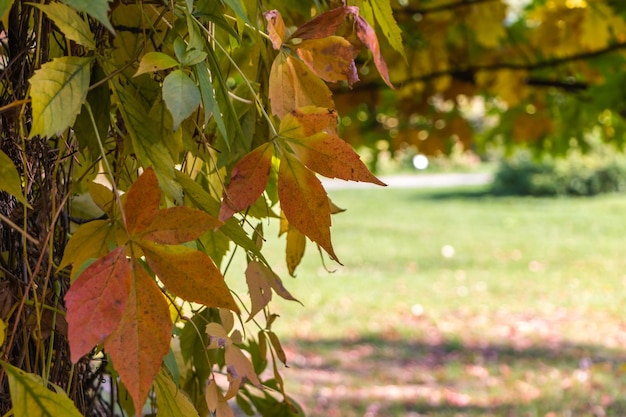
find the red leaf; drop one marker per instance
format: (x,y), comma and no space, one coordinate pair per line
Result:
(142,339)
(142,202)
(367,35)
(304,202)
(190,274)
(325,24)
(176,225)
(247,181)
(96,302)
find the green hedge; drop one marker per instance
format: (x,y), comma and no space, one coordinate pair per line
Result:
(602,171)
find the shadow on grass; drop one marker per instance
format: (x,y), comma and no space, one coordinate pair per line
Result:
(372,376)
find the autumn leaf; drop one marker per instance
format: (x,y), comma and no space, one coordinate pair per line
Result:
(323,152)
(293,85)
(304,202)
(189,274)
(171,400)
(325,24)
(275,28)
(259,288)
(266,274)
(96,302)
(367,36)
(155,61)
(330,58)
(176,225)
(142,202)
(142,339)
(295,247)
(247,181)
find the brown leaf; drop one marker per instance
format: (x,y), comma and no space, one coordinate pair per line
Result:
(330,58)
(259,288)
(142,339)
(325,24)
(367,35)
(304,201)
(275,28)
(96,302)
(247,181)
(293,85)
(189,274)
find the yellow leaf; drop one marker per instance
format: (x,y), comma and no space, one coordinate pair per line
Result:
(486,20)
(91,240)
(3,328)
(296,245)
(171,401)
(330,58)
(31,398)
(595,26)
(10,180)
(388,25)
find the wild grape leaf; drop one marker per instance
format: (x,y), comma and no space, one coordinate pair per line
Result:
(96,302)
(325,24)
(189,274)
(30,396)
(91,240)
(275,28)
(171,400)
(293,85)
(176,225)
(155,61)
(98,9)
(368,37)
(104,198)
(142,339)
(142,202)
(330,58)
(309,120)
(181,95)
(69,22)
(10,180)
(247,180)
(323,152)
(58,90)
(304,202)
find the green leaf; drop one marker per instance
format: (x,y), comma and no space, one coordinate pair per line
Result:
(181,95)
(10,180)
(99,99)
(155,61)
(31,398)
(238,7)
(5,6)
(71,24)
(208,97)
(193,57)
(58,90)
(171,401)
(98,9)
(388,25)
(145,140)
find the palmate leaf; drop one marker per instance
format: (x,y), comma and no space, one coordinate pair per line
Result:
(98,9)
(69,22)
(31,398)
(141,341)
(58,90)
(330,58)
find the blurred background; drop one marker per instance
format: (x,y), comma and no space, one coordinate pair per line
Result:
(485,280)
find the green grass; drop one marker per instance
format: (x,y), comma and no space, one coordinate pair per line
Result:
(525,319)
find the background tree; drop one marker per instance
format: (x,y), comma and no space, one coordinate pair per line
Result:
(541,73)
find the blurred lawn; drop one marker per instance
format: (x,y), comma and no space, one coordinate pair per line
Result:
(456,303)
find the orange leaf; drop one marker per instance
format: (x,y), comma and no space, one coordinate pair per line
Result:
(142,339)
(325,24)
(367,35)
(247,181)
(304,202)
(293,85)
(142,202)
(176,225)
(189,274)
(96,302)
(330,58)
(323,152)
(275,28)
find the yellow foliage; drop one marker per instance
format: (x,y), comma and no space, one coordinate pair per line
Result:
(486,20)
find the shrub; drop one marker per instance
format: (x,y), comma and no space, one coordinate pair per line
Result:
(603,170)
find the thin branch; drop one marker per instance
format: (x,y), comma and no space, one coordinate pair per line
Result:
(440,8)
(468,74)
